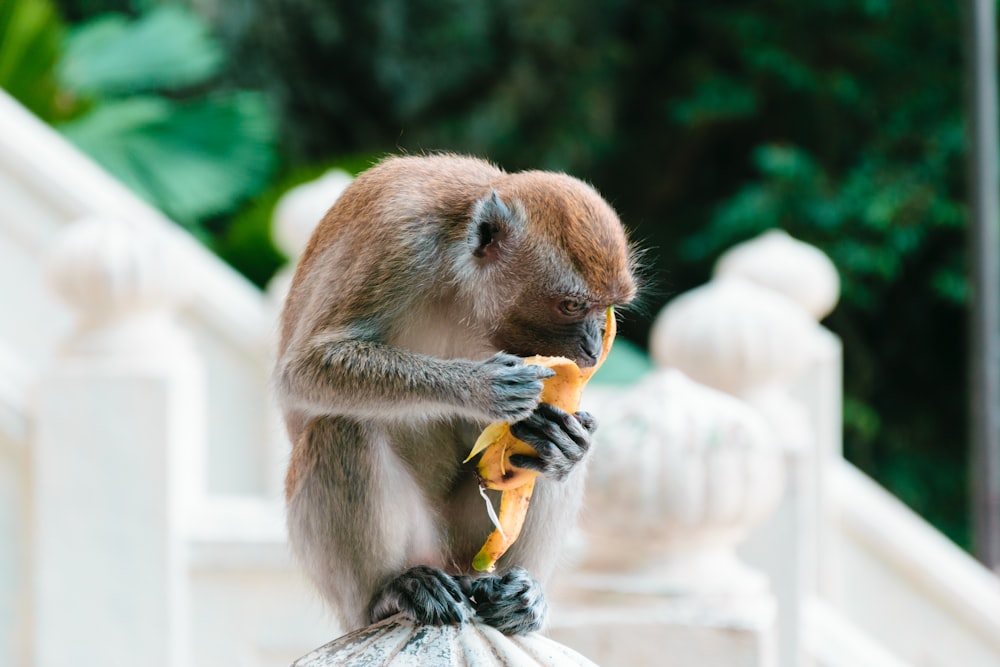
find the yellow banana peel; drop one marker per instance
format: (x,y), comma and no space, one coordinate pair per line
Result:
(563,390)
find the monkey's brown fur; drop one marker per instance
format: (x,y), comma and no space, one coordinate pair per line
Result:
(423,271)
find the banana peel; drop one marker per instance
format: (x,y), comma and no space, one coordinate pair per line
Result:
(563,390)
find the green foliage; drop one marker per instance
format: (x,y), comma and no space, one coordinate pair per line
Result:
(191,159)
(142,97)
(487,77)
(30,37)
(715,99)
(110,55)
(192,155)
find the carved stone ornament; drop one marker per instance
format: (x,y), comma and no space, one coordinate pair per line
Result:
(105,267)
(680,474)
(732,334)
(120,280)
(399,642)
(777,261)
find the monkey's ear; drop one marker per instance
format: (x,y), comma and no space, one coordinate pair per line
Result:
(492,226)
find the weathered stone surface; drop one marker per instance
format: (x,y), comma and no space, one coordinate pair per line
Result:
(399,642)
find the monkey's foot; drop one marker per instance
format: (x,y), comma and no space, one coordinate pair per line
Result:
(425,594)
(513,603)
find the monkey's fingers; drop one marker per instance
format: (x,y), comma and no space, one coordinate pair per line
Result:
(423,593)
(560,439)
(513,603)
(512,387)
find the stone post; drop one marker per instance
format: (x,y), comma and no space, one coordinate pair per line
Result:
(117,457)
(399,642)
(752,332)
(680,473)
(805,275)
(16,382)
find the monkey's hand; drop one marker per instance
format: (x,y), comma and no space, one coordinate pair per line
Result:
(561,439)
(512,603)
(507,389)
(423,593)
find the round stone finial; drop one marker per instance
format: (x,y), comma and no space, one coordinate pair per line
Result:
(399,642)
(777,261)
(679,474)
(300,209)
(733,335)
(104,268)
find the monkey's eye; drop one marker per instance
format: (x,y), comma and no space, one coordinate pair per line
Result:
(572,307)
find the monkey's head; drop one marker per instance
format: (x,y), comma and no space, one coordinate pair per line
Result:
(548,256)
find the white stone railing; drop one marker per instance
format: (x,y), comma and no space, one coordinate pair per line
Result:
(905,585)
(45,186)
(117,457)
(15,385)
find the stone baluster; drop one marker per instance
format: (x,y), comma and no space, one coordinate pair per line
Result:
(16,384)
(679,474)
(804,274)
(743,339)
(779,262)
(117,457)
(752,332)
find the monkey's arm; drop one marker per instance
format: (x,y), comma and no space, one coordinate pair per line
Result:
(336,376)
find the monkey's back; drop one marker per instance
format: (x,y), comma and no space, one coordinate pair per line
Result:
(376,226)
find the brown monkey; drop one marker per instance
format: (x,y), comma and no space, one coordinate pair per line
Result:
(401,339)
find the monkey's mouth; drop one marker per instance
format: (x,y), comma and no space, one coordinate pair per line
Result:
(581,359)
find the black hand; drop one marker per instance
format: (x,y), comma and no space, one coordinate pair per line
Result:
(560,438)
(425,594)
(513,603)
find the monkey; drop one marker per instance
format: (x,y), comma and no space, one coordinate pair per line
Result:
(402,336)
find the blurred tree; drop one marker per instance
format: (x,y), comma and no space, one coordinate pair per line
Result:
(30,39)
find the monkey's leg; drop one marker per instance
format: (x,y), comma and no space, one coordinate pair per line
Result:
(513,603)
(359,523)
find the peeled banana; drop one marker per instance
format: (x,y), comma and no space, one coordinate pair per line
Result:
(497,444)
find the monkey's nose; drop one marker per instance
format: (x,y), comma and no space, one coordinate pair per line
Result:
(589,347)
(587,357)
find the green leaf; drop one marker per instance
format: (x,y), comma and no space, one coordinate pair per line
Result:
(170,47)
(789,163)
(191,160)
(31,36)
(716,98)
(951,284)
